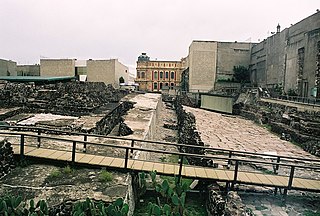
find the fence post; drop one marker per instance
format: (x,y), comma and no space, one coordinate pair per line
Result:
(235,176)
(39,139)
(74,144)
(126,159)
(180,168)
(291,177)
(85,138)
(131,150)
(277,166)
(229,161)
(22,146)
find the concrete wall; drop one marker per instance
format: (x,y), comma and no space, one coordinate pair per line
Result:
(57,67)
(231,54)
(202,65)
(101,71)
(8,68)
(28,70)
(120,71)
(217,103)
(274,61)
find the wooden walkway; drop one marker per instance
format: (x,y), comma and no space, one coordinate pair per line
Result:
(239,177)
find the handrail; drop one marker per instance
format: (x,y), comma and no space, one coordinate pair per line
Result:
(228,151)
(181,155)
(304,100)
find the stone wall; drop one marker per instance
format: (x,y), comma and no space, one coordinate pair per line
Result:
(6,158)
(57,67)
(73,98)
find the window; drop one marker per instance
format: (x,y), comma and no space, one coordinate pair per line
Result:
(161,75)
(155,75)
(172,75)
(155,86)
(167,75)
(172,84)
(138,74)
(167,84)
(160,86)
(142,75)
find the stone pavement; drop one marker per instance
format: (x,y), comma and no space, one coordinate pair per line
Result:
(232,132)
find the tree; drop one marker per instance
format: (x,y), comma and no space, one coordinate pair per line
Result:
(121,80)
(241,74)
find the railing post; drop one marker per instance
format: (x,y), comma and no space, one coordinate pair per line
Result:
(39,139)
(229,161)
(277,166)
(85,138)
(126,159)
(180,168)
(22,146)
(235,174)
(131,150)
(291,177)
(74,144)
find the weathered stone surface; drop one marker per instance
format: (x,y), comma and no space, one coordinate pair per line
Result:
(6,158)
(234,205)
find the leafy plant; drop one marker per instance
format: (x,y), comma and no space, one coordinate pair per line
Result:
(67,170)
(105,176)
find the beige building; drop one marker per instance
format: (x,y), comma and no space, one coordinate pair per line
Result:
(153,75)
(8,68)
(107,71)
(57,67)
(210,63)
(28,70)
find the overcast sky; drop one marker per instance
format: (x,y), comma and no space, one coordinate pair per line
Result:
(104,29)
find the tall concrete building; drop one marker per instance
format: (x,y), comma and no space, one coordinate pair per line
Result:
(153,75)
(288,59)
(8,68)
(107,71)
(57,67)
(211,62)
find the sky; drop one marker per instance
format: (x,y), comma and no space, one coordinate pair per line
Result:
(123,29)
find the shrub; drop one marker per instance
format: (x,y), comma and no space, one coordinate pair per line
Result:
(105,176)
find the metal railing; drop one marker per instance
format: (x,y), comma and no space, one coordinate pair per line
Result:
(131,148)
(304,100)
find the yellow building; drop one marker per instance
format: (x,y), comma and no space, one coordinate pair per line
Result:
(154,75)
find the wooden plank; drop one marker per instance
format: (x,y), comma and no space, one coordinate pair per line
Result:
(96,160)
(137,165)
(309,184)
(222,175)
(253,178)
(299,183)
(130,163)
(158,167)
(190,172)
(37,152)
(276,181)
(65,157)
(28,149)
(263,178)
(230,174)
(85,159)
(200,172)
(211,173)
(79,156)
(117,162)
(315,183)
(106,161)
(47,152)
(176,169)
(147,166)
(169,169)
(56,154)
(242,178)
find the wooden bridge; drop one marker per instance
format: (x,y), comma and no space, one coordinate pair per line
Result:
(233,175)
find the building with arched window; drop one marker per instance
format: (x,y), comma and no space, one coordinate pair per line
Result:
(153,75)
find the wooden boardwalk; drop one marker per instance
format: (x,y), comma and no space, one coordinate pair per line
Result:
(187,171)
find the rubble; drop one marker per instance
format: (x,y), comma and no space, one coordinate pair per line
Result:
(6,158)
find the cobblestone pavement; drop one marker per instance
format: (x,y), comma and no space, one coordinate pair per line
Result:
(230,132)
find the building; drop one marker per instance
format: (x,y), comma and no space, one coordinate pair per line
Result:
(28,70)
(211,63)
(289,59)
(153,75)
(8,68)
(107,71)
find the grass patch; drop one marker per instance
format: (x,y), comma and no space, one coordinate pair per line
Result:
(260,208)
(105,176)
(67,170)
(55,174)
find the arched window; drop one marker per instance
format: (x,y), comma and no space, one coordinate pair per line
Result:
(138,74)
(142,75)
(155,75)
(167,75)
(167,84)
(172,75)
(160,86)
(161,75)
(172,84)
(155,86)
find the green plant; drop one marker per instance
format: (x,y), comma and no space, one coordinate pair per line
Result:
(311,213)
(105,176)
(67,170)
(241,74)
(55,174)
